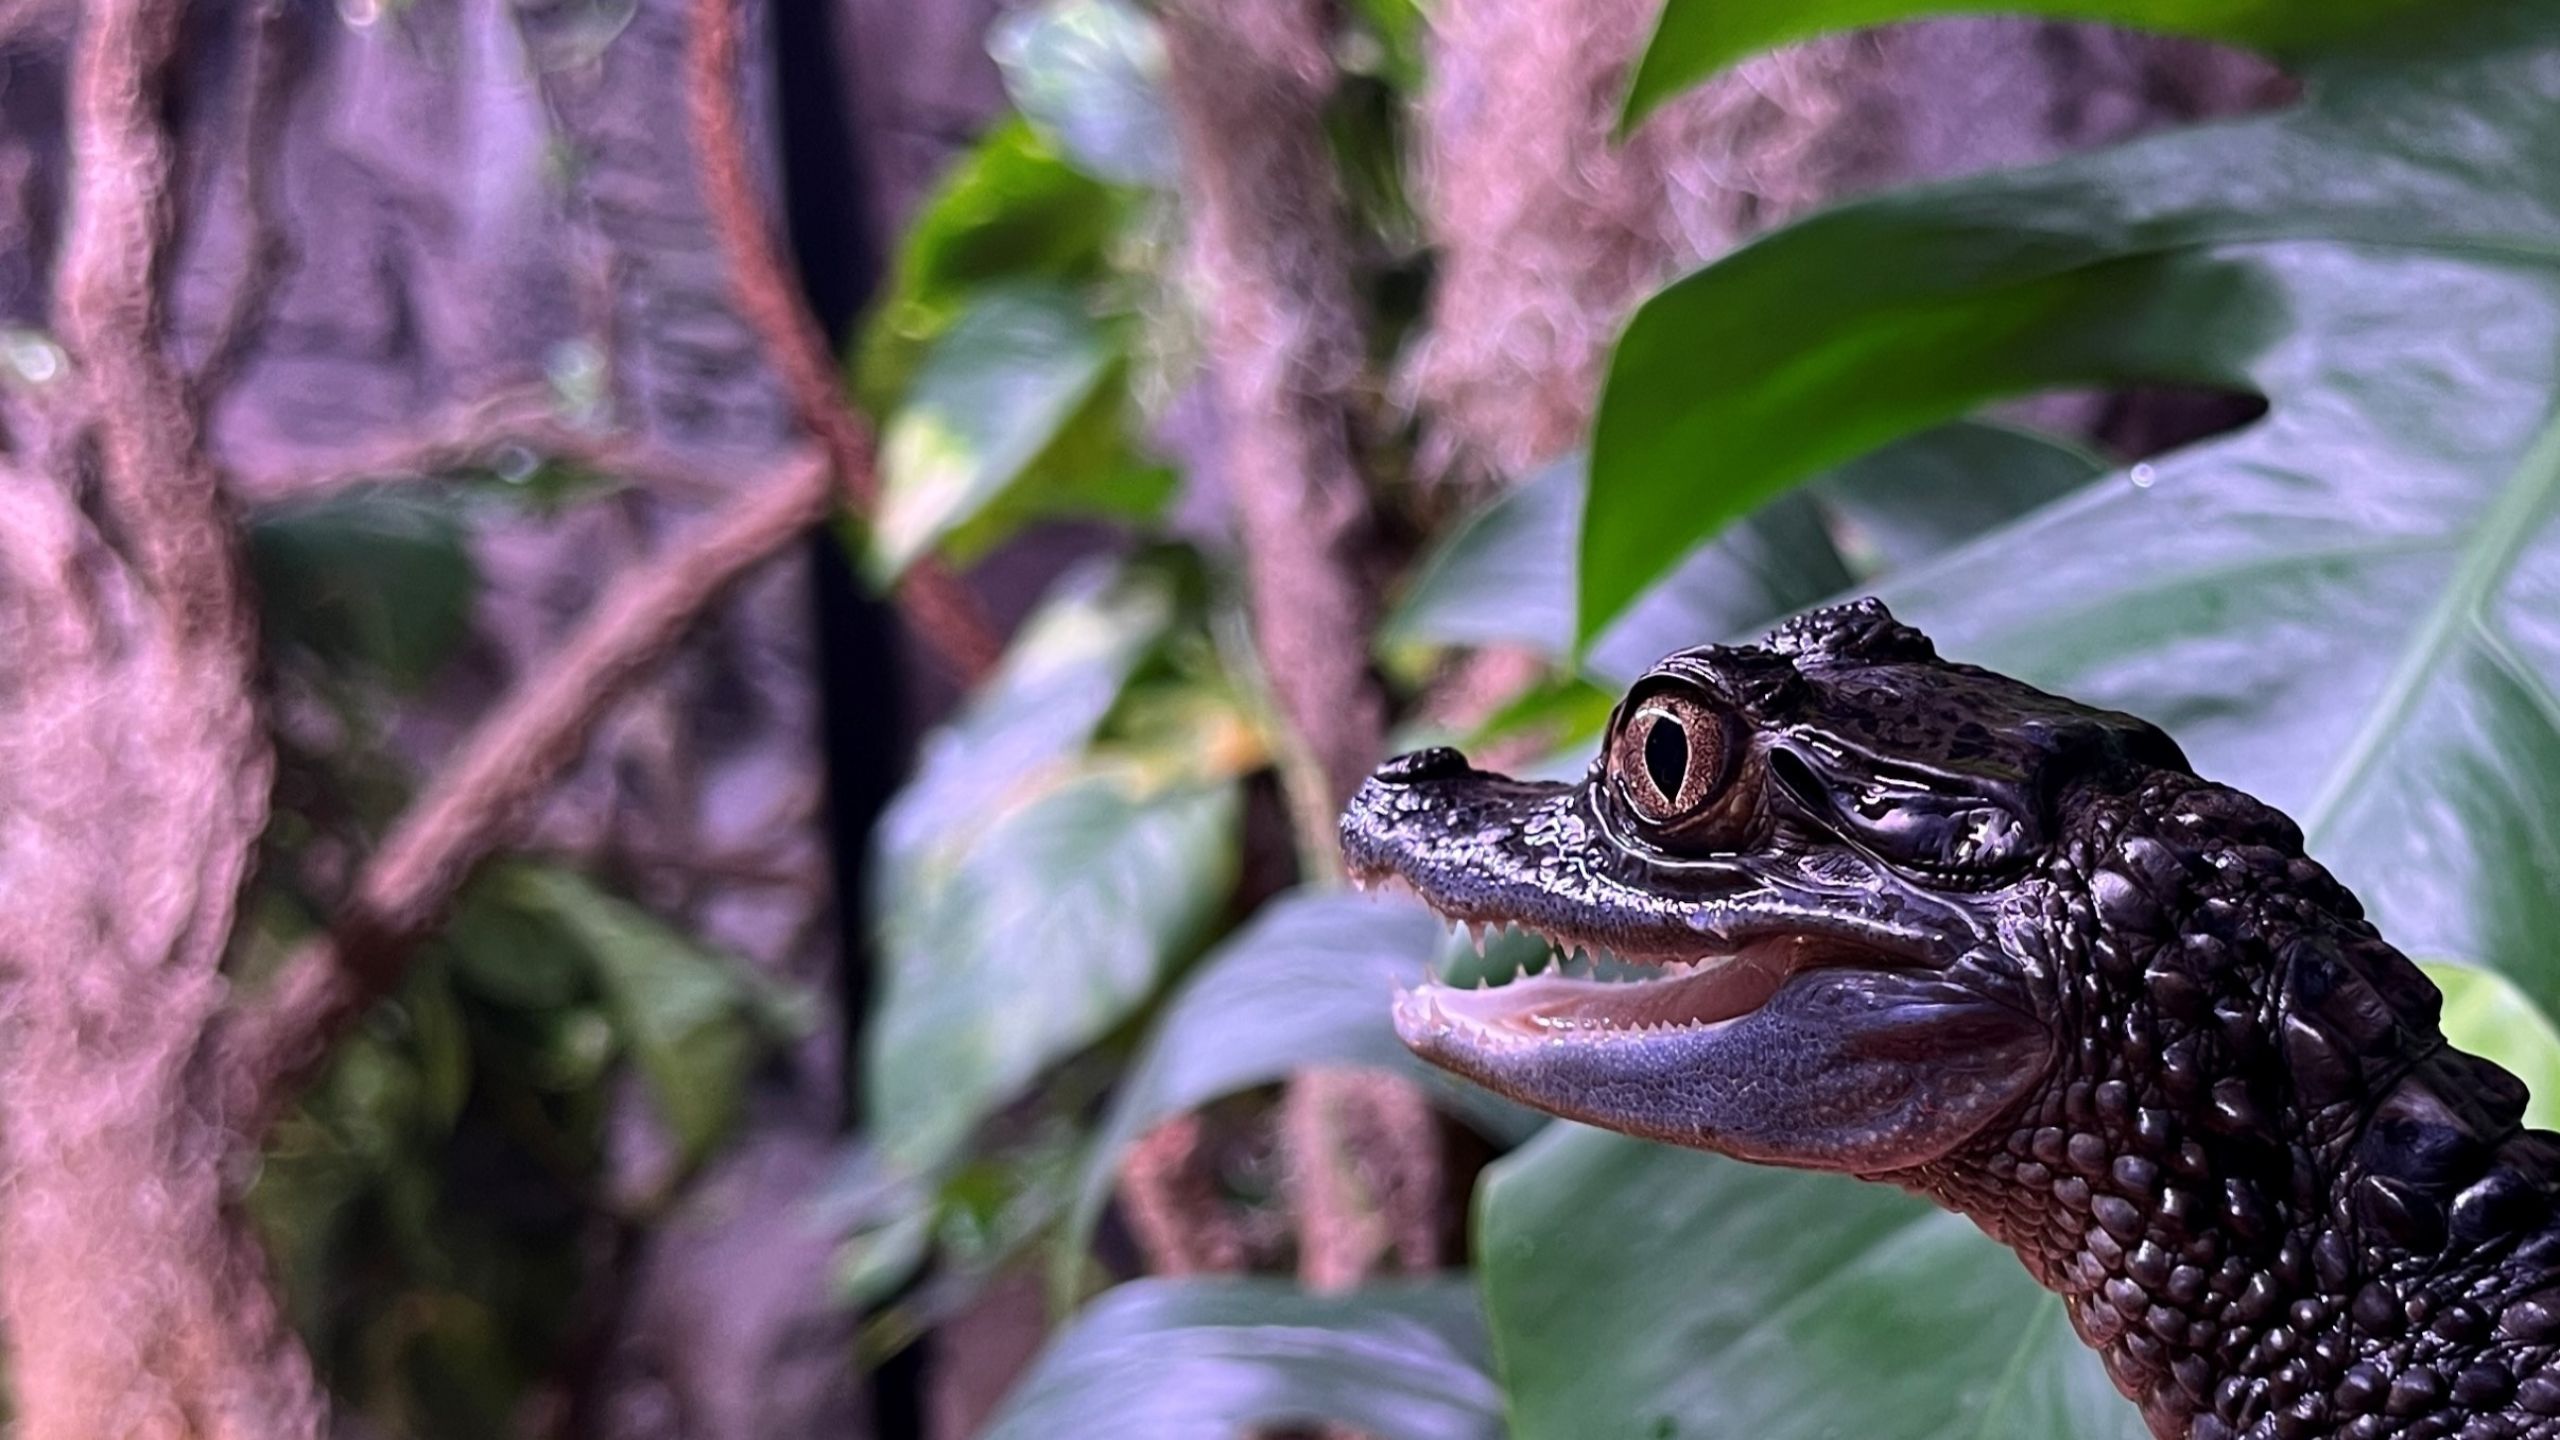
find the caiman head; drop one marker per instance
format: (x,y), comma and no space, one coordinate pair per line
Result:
(1866,910)
(1817,850)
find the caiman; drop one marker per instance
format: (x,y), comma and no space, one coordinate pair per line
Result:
(1875,912)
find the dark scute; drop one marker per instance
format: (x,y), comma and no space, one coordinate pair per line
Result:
(1861,630)
(2498,1203)
(2540,1394)
(2530,1320)
(2321,1071)
(2400,1211)
(2361,1391)
(2482,1385)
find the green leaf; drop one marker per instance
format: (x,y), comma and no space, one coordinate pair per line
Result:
(1091,74)
(1060,676)
(687,1014)
(1016,410)
(2343,607)
(1919,498)
(505,955)
(1506,576)
(1050,927)
(1696,38)
(2176,259)
(1014,911)
(380,577)
(1010,212)
(1767,387)
(1181,1359)
(2486,1015)
(1637,1292)
(1309,982)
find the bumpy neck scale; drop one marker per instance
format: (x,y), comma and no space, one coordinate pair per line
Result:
(2269,1193)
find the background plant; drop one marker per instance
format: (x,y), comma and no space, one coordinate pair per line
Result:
(1270,335)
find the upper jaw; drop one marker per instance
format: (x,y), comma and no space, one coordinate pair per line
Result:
(1488,852)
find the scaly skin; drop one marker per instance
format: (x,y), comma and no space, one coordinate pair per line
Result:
(2060,985)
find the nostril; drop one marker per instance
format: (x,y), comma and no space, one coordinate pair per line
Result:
(1437,763)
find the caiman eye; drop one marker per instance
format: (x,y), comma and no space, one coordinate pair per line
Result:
(1669,757)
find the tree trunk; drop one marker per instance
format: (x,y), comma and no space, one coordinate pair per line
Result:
(136,775)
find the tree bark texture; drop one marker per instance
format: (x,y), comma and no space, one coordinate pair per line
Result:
(1550,227)
(1271,263)
(136,771)
(356,244)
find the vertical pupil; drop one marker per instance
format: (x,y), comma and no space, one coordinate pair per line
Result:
(1666,756)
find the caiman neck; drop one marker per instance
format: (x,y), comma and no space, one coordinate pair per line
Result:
(2269,1194)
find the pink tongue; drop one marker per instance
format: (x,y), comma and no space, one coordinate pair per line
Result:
(1545,1003)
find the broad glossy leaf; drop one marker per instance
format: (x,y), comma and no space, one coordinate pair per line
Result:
(1015,410)
(2150,261)
(1038,932)
(1060,676)
(1507,575)
(1916,499)
(374,577)
(1696,38)
(2345,607)
(1183,1359)
(1011,211)
(1641,1293)
(958,875)
(1091,73)
(1309,982)
(689,1016)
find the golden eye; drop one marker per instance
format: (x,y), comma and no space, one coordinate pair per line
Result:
(1669,757)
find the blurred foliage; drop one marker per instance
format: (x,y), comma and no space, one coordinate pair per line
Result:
(436,1201)
(1802,418)
(1174,1360)
(373,578)
(1077,921)
(439,1200)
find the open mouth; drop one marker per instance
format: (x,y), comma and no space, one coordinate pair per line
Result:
(1587,991)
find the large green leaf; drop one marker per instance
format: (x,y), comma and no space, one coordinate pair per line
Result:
(1506,576)
(1643,1293)
(2343,607)
(1091,73)
(377,576)
(1027,895)
(1060,676)
(1052,925)
(1012,211)
(691,1018)
(1307,983)
(1183,1359)
(2178,258)
(1916,499)
(1696,38)
(1016,410)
